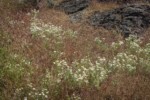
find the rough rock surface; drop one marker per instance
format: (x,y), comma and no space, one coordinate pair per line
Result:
(70,6)
(33,3)
(124,1)
(130,19)
(76,17)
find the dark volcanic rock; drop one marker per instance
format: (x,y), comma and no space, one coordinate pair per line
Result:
(76,17)
(33,3)
(124,1)
(70,6)
(130,19)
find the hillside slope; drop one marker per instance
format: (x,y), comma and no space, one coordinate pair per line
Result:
(50,54)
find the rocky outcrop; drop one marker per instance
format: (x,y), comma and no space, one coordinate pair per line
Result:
(129,19)
(33,3)
(69,6)
(73,6)
(124,1)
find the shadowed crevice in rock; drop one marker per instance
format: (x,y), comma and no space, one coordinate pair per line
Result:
(129,19)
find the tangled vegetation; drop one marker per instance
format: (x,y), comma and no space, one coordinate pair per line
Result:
(54,63)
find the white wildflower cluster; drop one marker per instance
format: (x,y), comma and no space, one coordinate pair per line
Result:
(22,60)
(37,93)
(14,68)
(133,56)
(17,65)
(133,43)
(75,97)
(116,45)
(61,68)
(49,79)
(70,33)
(147,49)
(32,92)
(45,30)
(124,61)
(18,91)
(83,72)
(39,28)
(144,59)
(86,71)
(95,70)
(97,40)
(14,22)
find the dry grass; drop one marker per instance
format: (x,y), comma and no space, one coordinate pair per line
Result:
(128,86)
